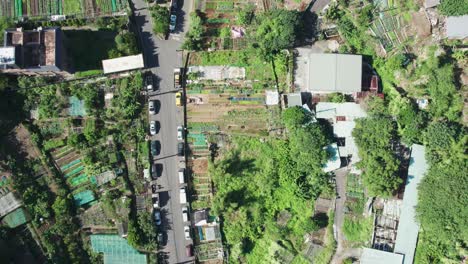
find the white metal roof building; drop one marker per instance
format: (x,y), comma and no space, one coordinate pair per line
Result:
(123,64)
(408,228)
(374,256)
(8,203)
(457,27)
(328,72)
(342,116)
(7,55)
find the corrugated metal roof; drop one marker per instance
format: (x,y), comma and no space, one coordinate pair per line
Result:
(334,73)
(328,110)
(374,256)
(123,64)
(457,27)
(408,228)
(8,203)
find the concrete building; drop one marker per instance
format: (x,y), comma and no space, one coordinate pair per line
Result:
(457,27)
(328,72)
(33,52)
(342,116)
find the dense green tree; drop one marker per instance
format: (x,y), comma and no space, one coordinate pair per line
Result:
(441,209)
(411,124)
(246,15)
(193,39)
(374,137)
(5,23)
(295,117)
(160,15)
(277,30)
(454,7)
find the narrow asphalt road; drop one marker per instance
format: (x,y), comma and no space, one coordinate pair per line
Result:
(162,56)
(340,177)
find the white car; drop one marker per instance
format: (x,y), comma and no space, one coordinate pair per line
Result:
(187,232)
(157,217)
(180,133)
(151,108)
(153,128)
(185,213)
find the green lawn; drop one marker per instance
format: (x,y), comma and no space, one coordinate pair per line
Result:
(71,7)
(88,48)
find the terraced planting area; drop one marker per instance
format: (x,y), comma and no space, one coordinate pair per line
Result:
(46,8)
(69,161)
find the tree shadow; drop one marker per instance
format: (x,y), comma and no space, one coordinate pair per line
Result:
(236,165)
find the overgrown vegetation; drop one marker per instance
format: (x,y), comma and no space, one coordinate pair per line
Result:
(454,7)
(266,189)
(443,194)
(375,136)
(160,15)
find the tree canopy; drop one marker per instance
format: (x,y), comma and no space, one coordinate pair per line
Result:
(454,7)
(277,30)
(374,137)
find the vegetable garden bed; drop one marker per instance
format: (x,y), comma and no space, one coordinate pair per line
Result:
(46,8)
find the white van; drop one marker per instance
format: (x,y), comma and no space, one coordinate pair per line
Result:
(182,176)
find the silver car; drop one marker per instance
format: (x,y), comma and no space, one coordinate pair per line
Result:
(153,128)
(180,132)
(151,108)
(187,232)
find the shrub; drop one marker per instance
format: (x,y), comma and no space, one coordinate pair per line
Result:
(53,143)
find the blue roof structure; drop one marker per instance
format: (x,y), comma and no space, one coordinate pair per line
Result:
(116,250)
(408,228)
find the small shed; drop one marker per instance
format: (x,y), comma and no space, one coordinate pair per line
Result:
(200,217)
(293,99)
(122,228)
(272,97)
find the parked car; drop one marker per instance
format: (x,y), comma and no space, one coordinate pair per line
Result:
(155,146)
(182,176)
(187,232)
(185,217)
(180,149)
(153,128)
(178,99)
(189,250)
(157,217)
(172,22)
(155,200)
(151,108)
(154,188)
(180,133)
(156,170)
(149,82)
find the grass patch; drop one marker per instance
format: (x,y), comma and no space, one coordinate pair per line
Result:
(71,7)
(357,229)
(88,48)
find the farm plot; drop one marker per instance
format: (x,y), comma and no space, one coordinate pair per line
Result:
(70,164)
(389,29)
(47,8)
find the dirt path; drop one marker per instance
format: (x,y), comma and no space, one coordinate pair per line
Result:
(339,214)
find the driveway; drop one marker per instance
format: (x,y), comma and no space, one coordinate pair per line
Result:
(340,177)
(162,56)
